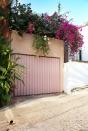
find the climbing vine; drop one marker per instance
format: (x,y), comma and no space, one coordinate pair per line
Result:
(41,43)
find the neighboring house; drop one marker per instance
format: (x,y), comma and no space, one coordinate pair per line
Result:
(82,54)
(85,46)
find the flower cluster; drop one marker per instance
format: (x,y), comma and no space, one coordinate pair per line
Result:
(70,34)
(30,28)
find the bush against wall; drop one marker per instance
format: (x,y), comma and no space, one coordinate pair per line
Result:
(8,72)
(23,19)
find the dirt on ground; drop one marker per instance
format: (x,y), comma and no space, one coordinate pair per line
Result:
(48,113)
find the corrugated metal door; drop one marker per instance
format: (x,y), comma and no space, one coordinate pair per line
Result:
(41,75)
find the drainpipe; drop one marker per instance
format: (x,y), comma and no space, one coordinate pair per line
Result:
(66,53)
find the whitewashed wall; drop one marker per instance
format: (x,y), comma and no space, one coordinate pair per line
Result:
(75,75)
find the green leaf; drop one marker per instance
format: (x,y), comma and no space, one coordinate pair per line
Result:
(2,77)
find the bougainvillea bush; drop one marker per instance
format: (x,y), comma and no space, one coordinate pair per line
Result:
(57,26)
(70,34)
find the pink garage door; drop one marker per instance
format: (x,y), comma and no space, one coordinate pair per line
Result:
(41,75)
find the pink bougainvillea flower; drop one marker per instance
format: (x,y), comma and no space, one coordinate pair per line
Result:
(47,17)
(70,34)
(30,28)
(59,27)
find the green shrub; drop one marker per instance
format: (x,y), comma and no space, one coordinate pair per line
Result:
(8,72)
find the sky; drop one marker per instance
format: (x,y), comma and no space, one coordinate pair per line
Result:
(78,9)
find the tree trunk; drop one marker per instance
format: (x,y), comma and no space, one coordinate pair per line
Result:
(4,3)
(4,21)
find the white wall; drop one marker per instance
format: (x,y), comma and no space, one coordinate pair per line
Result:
(75,75)
(85,46)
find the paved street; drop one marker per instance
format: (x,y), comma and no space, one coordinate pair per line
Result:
(50,113)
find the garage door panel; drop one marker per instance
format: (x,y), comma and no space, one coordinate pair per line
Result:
(41,75)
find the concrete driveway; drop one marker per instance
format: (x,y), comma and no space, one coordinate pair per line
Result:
(50,113)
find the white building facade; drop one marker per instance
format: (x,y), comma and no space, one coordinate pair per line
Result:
(85,46)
